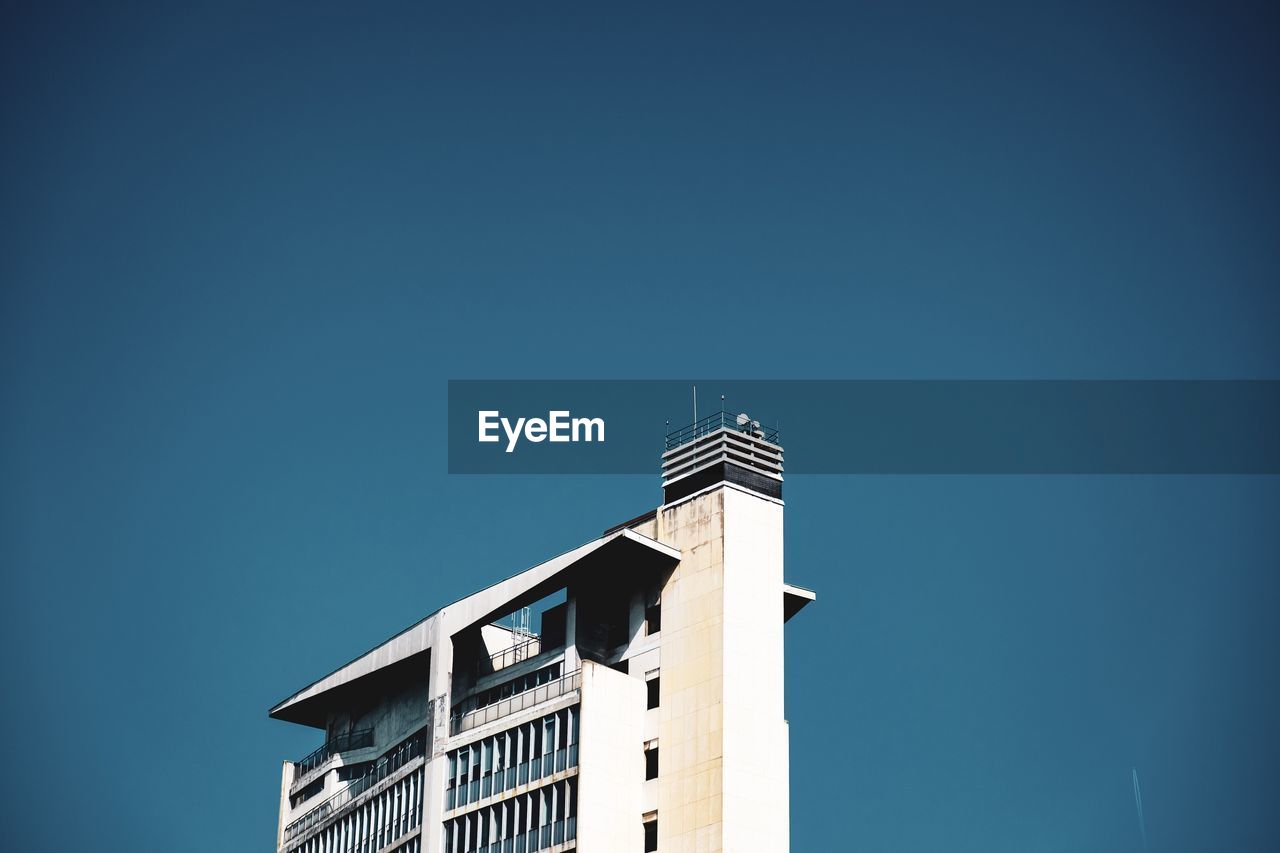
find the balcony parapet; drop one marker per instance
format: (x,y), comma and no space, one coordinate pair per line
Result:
(499,661)
(563,686)
(358,739)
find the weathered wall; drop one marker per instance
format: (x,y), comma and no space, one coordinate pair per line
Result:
(392,718)
(722,733)
(690,722)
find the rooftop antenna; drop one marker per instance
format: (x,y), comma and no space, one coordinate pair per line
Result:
(695,404)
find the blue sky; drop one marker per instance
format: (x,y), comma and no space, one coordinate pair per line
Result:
(244,249)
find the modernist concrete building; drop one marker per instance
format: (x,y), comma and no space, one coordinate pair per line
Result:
(639,707)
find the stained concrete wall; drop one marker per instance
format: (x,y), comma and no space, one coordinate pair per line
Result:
(690,713)
(392,717)
(437,765)
(722,733)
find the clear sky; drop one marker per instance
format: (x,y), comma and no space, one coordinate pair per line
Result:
(243,248)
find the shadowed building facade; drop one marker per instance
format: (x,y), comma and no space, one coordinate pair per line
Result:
(624,696)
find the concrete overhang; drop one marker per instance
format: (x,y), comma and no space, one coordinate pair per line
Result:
(407,653)
(794,598)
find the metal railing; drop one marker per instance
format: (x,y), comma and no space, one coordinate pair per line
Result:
(564,685)
(358,739)
(720,420)
(413,748)
(530,648)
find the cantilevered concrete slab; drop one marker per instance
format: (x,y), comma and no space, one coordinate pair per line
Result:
(794,598)
(409,650)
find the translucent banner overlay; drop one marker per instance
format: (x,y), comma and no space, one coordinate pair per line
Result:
(873,427)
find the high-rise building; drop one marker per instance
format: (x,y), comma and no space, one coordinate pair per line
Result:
(624,696)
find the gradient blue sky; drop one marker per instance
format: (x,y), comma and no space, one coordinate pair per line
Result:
(244,246)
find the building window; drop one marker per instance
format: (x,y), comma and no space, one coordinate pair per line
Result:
(651,760)
(307,793)
(347,772)
(523,754)
(535,820)
(654,692)
(651,835)
(653,618)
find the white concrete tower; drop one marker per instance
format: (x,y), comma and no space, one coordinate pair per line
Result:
(723,781)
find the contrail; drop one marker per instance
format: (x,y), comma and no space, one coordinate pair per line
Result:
(1137,799)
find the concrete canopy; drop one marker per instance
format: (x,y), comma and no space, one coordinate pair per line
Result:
(794,598)
(409,650)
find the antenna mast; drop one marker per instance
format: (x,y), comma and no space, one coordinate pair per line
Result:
(520,626)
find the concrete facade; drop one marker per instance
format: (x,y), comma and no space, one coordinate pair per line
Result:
(612,765)
(645,714)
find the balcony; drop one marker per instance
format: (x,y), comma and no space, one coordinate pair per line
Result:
(718,421)
(414,747)
(527,650)
(563,686)
(359,739)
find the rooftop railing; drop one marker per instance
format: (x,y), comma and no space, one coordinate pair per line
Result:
(413,748)
(358,739)
(530,648)
(720,420)
(562,686)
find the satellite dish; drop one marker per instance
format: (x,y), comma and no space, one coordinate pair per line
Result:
(743,420)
